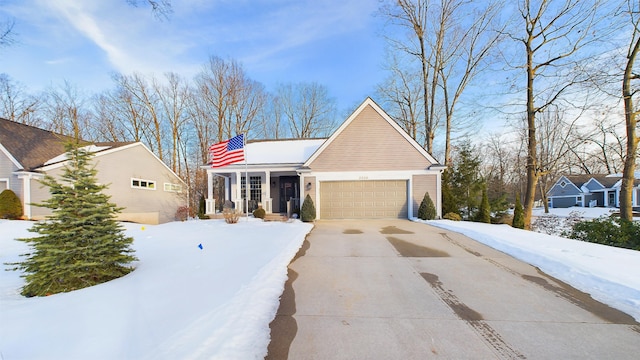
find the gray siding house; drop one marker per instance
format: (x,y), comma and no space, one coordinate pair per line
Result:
(138,181)
(589,191)
(368,168)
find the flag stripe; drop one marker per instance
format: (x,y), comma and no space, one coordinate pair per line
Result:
(227,152)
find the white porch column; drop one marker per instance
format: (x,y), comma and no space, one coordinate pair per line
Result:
(267,200)
(238,193)
(227,189)
(209,185)
(209,201)
(26,193)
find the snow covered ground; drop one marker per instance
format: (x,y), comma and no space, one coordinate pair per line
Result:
(183,302)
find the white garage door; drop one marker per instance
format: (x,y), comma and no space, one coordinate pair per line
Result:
(371,199)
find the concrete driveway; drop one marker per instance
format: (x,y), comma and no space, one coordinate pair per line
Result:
(394,289)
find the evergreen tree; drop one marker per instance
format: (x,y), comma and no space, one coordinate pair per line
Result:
(80,244)
(449,202)
(466,183)
(518,214)
(427,211)
(308,211)
(202,207)
(484,213)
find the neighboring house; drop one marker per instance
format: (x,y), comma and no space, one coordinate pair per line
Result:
(589,191)
(138,181)
(368,168)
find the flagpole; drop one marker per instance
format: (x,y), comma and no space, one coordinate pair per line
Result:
(246,175)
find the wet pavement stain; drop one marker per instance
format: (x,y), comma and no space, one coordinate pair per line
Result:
(581,299)
(474,319)
(352,231)
(391,230)
(284,326)
(407,249)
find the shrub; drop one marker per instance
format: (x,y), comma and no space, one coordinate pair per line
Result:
(452,216)
(518,214)
(10,205)
(259,213)
(484,213)
(308,211)
(608,231)
(182,214)
(547,224)
(427,211)
(231,216)
(202,208)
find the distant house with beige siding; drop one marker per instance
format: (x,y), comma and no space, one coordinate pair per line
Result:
(368,168)
(138,181)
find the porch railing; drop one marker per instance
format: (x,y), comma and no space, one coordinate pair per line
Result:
(292,205)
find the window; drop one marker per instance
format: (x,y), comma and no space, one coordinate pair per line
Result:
(172,187)
(563,183)
(255,189)
(4,184)
(143,184)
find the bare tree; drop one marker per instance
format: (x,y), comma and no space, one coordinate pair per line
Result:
(161,8)
(629,93)
(16,104)
(412,16)
(554,33)
(142,103)
(66,112)
(403,97)
(173,97)
(451,40)
(308,109)
(7,34)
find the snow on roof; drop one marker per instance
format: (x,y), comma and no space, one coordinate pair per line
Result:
(63,157)
(281,151)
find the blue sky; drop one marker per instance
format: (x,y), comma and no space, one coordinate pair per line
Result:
(334,43)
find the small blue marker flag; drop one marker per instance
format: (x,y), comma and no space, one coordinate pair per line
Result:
(200,246)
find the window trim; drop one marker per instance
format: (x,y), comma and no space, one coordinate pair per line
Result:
(176,188)
(6,180)
(140,186)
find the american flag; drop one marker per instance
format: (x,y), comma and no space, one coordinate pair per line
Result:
(227,152)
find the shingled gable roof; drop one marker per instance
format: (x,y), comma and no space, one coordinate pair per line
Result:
(32,147)
(605,180)
(369,102)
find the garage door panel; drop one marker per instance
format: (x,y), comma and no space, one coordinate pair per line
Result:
(363,199)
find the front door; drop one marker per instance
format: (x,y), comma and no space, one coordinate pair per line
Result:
(288,189)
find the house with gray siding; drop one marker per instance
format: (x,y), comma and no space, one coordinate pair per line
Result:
(138,181)
(599,190)
(368,168)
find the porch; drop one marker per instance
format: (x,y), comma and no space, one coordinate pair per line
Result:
(275,192)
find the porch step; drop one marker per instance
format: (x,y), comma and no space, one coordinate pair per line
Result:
(275,217)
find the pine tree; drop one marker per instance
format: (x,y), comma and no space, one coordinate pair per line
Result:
(80,244)
(427,211)
(465,179)
(484,212)
(449,202)
(518,214)
(308,211)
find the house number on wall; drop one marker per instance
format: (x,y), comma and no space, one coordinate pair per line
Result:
(363,178)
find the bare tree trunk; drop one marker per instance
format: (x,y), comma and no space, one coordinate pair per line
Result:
(630,112)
